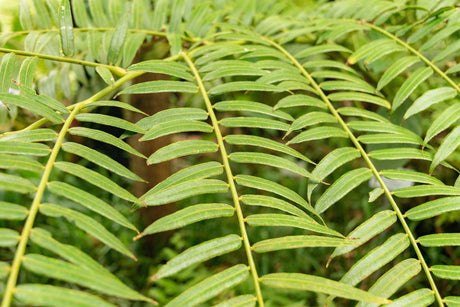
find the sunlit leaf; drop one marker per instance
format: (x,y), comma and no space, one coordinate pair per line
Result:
(299,101)
(182,148)
(8,237)
(109,121)
(300,241)
(318,133)
(239,301)
(19,162)
(440,239)
(304,282)
(244,86)
(272,202)
(426,190)
(356,96)
(172,114)
(16,184)
(11,211)
(164,67)
(254,122)
(6,71)
(199,253)
(66,28)
(211,286)
(420,298)
(430,98)
(433,208)
(250,106)
(410,84)
(321,49)
(443,121)
(176,126)
(160,86)
(448,145)
(395,69)
(408,175)
(446,271)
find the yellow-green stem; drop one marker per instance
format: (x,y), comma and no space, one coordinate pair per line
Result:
(368,162)
(115,69)
(21,248)
(230,178)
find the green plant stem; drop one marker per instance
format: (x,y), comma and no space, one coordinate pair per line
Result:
(119,71)
(230,178)
(412,50)
(369,163)
(19,254)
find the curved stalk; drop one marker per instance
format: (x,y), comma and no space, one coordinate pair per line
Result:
(230,178)
(33,210)
(371,166)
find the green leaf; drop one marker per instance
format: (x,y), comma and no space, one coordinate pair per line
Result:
(36,135)
(19,162)
(176,126)
(352,111)
(34,107)
(347,86)
(218,50)
(329,64)
(449,144)
(341,187)
(300,241)
(7,68)
(95,178)
(433,208)
(88,225)
(89,201)
(374,47)
(118,39)
(253,140)
(299,100)
(159,14)
(181,149)
(211,286)
(420,298)
(229,68)
(452,301)
(318,133)
(68,272)
(408,175)
(356,96)
(304,282)
(105,137)
(386,138)
(374,194)
(254,122)
(250,106)
(310,119)
(197,171)
(23,148)
(160,86)
(184,190)
(282,75)
(426,190)
(8,237)
(198,254)
(11,211)
(99,159)
(382,51)
(189,216)
(43,17)
(47,295)
(26,72)
(400,153)
(4,270)
(170,68)
(284,220)
(245,86)
(114,103)
(109,121)
(375,225)
(105,74)
(133,44)
(66,28)
(443,121)
(333,74)
(172,114)
(410,84)
(68,252)
(376,259)
(43,100)
(270,160)
(272,202)
(430,98)
(16,184)
(239,301)
(80,13)
(307,52)
(334,160)
(454,69)
(440,239)
(393,279)
(446,271)
(396,69)
(273,187)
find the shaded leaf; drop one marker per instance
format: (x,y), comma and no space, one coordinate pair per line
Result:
(11,211)
(181,149)
(199,253)
(433,208)
(304,282)
(371,48)
(105,74)
(189,215)
(66,28)
(26,72)
(7,69)
(239,301)
(211,286)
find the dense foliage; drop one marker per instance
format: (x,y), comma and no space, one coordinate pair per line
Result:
(313,148)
